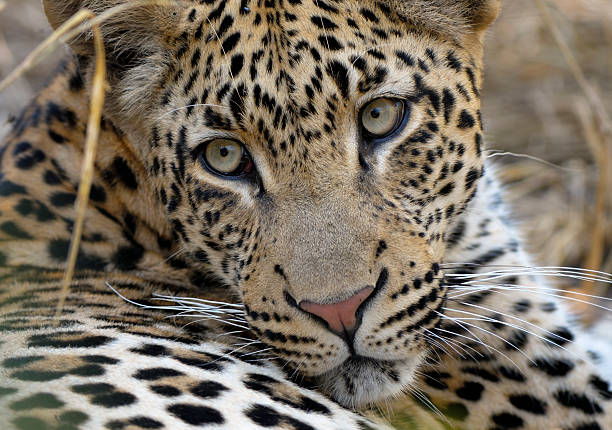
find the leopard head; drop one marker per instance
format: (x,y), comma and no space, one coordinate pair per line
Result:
(311,154)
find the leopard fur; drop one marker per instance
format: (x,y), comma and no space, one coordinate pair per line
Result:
(325,214)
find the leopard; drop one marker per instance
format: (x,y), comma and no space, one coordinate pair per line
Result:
(292,220)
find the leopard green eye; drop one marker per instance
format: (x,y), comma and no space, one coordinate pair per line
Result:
(226,157)
(382,116)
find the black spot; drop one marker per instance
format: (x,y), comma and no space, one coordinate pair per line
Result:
(12,229)
(127,257)
(553,367)
(51,178)
(466,120)
(139,422)
(470,391)
(237,63)
(507,420)
(65,340)
(471,178)
(581,402)
(522,306)
(230,42)
(196,415)
(16,362)
(208,389)
(121,170)
(265,416)
(323,23)
(528,403)
(36,401)
(210,365)
(155,373)
(330,42)
(97,193)
(453,62)
(151,349)
(62,199)
(559,337)
(448,101)
(94,388)
(512,374)
(73,417)
(7,391)
(76,82)
(99,359)
(405,58)
(56,137)
(30,423)
(8,188)
(88,370)
(166,390)
(602,387)
(447,189)
(339,73)
(29,161)
(27,207)
(517,340)
(61,114)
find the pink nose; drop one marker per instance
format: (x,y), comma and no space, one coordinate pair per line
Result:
(342,316)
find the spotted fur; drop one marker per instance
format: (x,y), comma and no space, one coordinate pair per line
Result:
(325,215)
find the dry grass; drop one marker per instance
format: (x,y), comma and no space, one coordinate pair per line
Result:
(533,104)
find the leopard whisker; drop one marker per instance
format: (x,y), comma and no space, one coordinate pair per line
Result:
(198,300)
(480,317)
(463,321)
(496,153)
(256,352)
(517,319)
(441,346)
(540,291)
(424,399)
(527,288)
(464,346)
(475,337)
(509,270)
(297,368)
(211,313)
(478,342)
(445,342)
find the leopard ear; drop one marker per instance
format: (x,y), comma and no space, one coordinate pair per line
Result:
(463,21)
(139,30)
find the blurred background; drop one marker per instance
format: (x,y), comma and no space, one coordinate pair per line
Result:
(532,107)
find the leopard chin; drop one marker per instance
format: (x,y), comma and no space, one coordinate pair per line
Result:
(360,381)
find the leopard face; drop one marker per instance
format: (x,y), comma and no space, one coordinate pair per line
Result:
(311,155)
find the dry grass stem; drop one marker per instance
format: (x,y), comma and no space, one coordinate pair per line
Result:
(91,144)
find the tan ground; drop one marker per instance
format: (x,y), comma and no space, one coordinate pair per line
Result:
(532,106)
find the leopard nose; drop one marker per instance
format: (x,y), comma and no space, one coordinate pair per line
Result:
(341,317)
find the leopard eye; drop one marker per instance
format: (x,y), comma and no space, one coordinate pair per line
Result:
(226,157)
(381,117)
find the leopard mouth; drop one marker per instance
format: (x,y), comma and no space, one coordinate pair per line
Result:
(359,380)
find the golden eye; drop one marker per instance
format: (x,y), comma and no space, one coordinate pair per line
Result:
(227,158)
(382,117)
